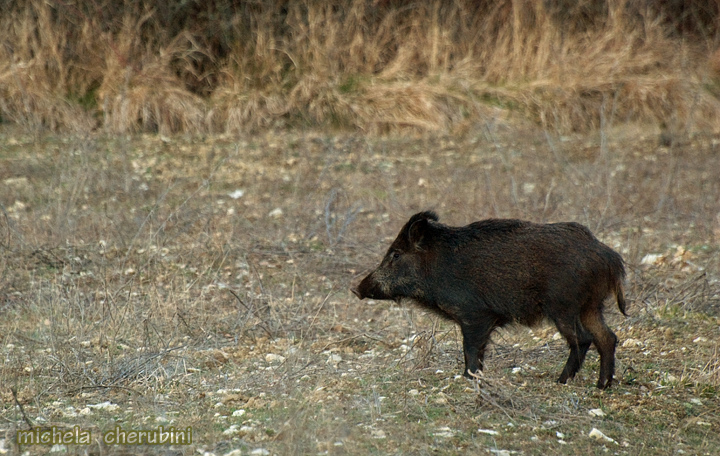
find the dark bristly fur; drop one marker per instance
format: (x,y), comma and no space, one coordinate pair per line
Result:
(494,272)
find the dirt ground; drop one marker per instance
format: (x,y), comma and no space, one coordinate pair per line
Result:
(202,283)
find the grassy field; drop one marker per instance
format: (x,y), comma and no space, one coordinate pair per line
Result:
(202,282)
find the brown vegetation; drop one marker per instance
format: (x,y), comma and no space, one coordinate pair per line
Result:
(372,65)
(202,281)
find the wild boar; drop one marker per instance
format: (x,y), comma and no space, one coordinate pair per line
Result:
(498,271)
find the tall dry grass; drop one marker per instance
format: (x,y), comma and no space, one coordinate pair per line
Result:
(373,65)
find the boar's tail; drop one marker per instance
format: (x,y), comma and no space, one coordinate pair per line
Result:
(620,299)
(617,276)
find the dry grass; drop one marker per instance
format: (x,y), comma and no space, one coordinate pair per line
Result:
(379,67)
(148,95)
(130,275)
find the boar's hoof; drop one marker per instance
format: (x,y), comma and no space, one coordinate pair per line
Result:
(476,375)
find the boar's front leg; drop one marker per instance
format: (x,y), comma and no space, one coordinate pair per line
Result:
(475,340)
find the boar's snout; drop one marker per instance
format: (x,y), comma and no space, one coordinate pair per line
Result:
(356,291)
(367,288)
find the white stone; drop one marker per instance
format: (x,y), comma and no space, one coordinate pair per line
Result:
(274,358)
(110,407)
(597,435)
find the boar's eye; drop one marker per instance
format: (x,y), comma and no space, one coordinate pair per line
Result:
(395,255)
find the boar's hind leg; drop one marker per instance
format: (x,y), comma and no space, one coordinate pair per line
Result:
(579,341)
(475,340)
(604,340)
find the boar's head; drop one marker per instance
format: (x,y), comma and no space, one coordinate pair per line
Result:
(400,274)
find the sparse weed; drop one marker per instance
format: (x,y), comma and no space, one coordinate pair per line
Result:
(138,288)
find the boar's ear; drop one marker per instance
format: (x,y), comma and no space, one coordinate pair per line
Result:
(425,215)
(418,232)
